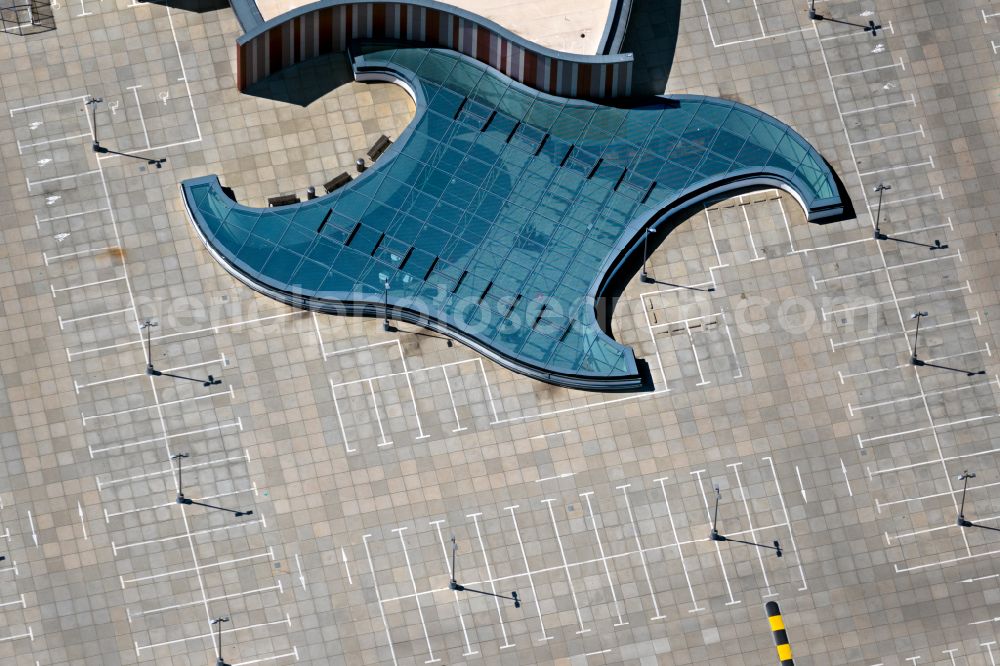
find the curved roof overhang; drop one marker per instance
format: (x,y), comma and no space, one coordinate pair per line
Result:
(329,26)
(577,352)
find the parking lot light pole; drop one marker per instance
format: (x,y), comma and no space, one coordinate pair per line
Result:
(146,326)
(385,322)
(218,644)
(92,103)
(180,486)
(644,276)
(964,478)
(916,334)
(458,587)
(880,188)
(715,536)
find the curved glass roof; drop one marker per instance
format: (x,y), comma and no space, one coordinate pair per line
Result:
(500,211)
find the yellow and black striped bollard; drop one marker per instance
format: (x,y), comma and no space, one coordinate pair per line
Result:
(778,631)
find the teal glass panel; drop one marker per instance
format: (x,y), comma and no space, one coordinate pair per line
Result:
(675,120)
(445,102)
(230,236)
(686,155)
(792,150)
(638,124)
(608,119)
(199,193)
(569,125)
(241,219)
(464,76)
(219,206)
(324,251)
(281,265)
(502,125)
(436,67)
(728,144)
(710,117)
(486,205)
(714,165)
(515,102)
(211,222)
(337,282)
(310,275)
(296,240)
(489,91)
(409,58)
(255,251)
(542,114)
(537,347)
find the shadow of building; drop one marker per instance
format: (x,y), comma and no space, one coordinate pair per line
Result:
(306,82)
(651,37)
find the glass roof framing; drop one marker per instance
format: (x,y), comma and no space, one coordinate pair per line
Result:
(498,213)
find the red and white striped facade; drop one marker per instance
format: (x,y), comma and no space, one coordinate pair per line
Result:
(329,29)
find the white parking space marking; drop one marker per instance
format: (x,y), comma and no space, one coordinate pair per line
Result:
(921,396)
(939,194)
(85,285)
(17,602)
(30,633)
(900,65)
(211,635)
(169,471)
(836,278)
(30,183)
(65,100)
(221,361)
(138,106)
(187,536)
(224,597)
(642,553)
(902,167)
(677,545)
(912,101)
(73,320)
(490,580)
(889,137)
(902,299)
(420,610)
(604,559)
(753,535)
(31,523)
(933,359)
(527,570)
(158,406)
(201,567)
(976,320)
(118,447)
(569,576)
(22,147)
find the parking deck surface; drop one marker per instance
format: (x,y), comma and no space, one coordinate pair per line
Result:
(780,353)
